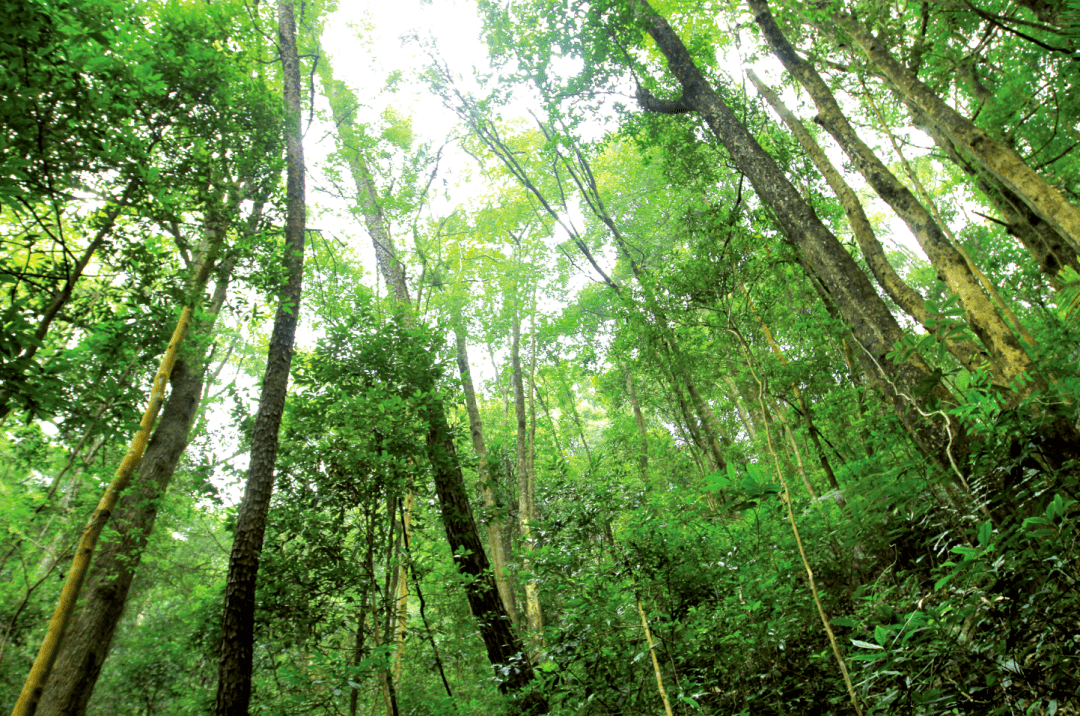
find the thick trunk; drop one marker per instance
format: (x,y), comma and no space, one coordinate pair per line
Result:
(493,518)
(871,323)
(907,298)
(37,680)
(503,647)
(946,259)
(238,623)
(90,635)
(1049,248)
(1000,161)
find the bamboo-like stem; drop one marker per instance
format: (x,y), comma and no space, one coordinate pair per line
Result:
(798,539)
(80,565)
(655,661)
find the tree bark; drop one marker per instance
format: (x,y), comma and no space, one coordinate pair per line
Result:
(908,299)
(865,313)
(88,640)
(493,518)
(238,622)
(1000,161)
(526,503)
(1049,248)
(946,259)
(504,649)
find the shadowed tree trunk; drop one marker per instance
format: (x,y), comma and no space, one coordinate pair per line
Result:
(907,298)
(946,259)
(89,637)
(504,649)
(238,623)
(865,313)
(495,523)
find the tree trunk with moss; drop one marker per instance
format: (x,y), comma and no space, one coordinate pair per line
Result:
(495,523)
(89,637)
(950,264)
(862,309)
(1000,161)
(504,649)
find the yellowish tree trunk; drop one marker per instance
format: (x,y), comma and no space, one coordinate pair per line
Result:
(1003,163)
(80,565)
(526,502)
(494,521)
(907,298)
(949,263)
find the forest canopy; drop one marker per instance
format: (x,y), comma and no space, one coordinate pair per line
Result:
(553,357)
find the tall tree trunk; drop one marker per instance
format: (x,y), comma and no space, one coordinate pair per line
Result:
(90,635)
(873,326)
(36,681)
(493,518)
(504,649)
(238,622)
(1050,249)
(944,256)
(526,503)
(907,298)
(639,420)
(1001,161)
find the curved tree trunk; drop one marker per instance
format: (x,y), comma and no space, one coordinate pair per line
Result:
(90,635)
